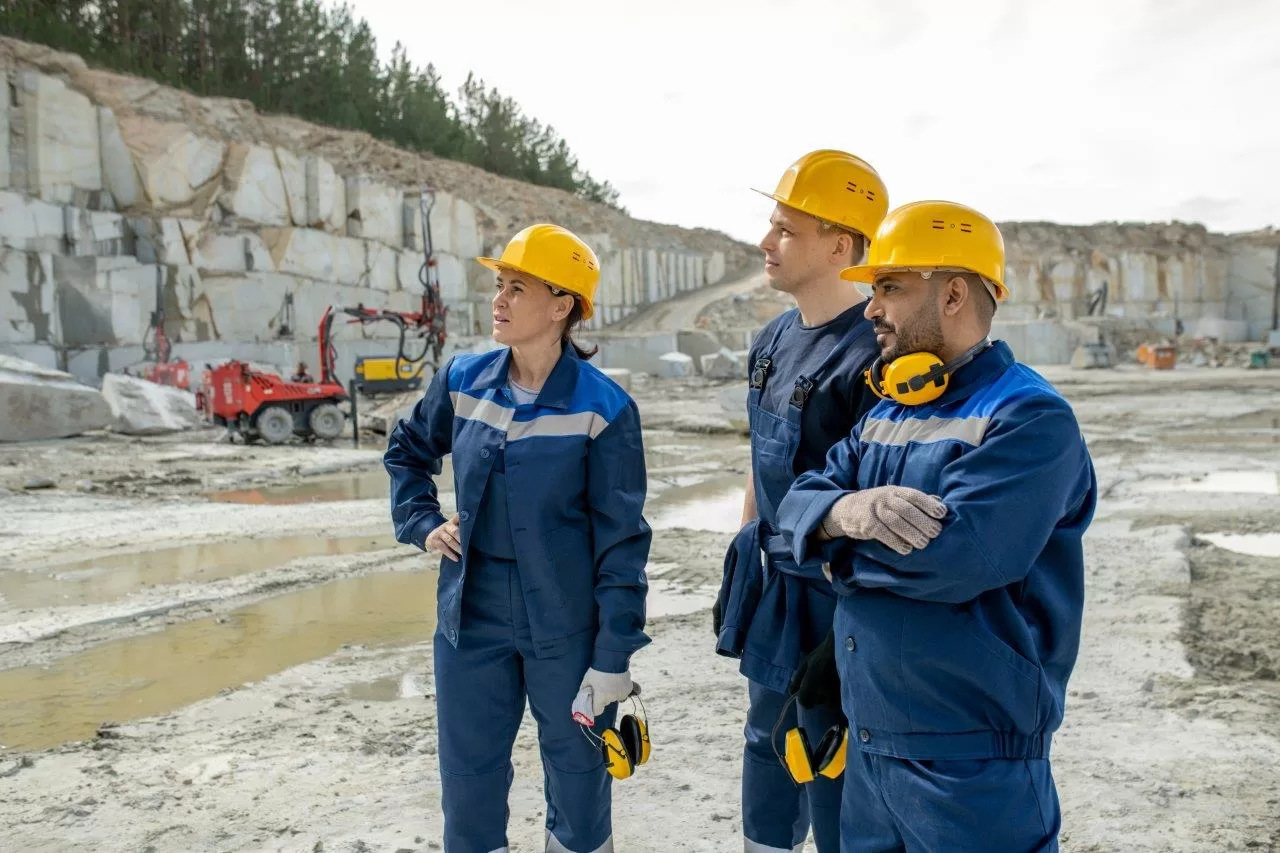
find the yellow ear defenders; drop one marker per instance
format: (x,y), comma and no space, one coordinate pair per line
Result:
(805,765)
(917,377)
(626,746)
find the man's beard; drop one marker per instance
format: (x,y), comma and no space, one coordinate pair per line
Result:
(923,333)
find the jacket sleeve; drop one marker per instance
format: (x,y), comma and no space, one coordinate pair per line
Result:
(616,486)
(413,459)
(810,499)
(1004,498)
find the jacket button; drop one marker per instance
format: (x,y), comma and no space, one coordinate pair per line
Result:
(464,515)
(864,735)
(850,644)
(453,635)
(484,454)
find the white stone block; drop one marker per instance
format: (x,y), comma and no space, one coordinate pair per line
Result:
(452,275)
(408,265)
(39,403)
(675,365)
(96,232)
(62,139)
(255,186)
(326,196)
(28,312)
(119,174)
(453,227)
(176,168)
(294,175)
(160,241)
(715,267)
(380,262)
(140,407)
(314,254)
(230,253)
(620,375)
(30,224)
(412,213)
(374,211)
(724,364)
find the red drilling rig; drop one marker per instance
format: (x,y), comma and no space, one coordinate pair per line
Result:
(258,405)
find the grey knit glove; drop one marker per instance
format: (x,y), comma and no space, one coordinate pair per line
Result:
(896,516)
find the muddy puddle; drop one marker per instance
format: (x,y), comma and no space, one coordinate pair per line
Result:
(372,484)
(713,504)
(160,672)
(1252,544)
(103,579)
(1255,428)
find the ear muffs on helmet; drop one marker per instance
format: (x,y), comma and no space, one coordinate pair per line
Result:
(917,377)
(804,764)
(625,746)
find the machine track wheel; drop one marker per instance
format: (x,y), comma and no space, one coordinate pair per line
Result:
(275,424)
(326,421)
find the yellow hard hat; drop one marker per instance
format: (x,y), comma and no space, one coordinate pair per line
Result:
(928,235)
(835,186)
(555,255)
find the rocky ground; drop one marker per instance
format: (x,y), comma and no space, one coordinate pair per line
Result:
(212,647)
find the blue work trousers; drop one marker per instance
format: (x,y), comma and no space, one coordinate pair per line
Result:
(481,688)
(998,805)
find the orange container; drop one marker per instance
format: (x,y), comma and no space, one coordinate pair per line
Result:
(1164,358)
(1144,354)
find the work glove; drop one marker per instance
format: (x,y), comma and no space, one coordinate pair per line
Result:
(896,516)
(816,681)
(717,617)
(599,690)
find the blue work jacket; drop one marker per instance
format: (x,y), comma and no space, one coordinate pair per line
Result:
(576,482)
(961,649)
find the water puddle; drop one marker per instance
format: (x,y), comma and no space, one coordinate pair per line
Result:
(103,579)
(407,685)
(711,504)
(1254,428)
(1245,482)
(160,672)
(1253,544)
(358,486)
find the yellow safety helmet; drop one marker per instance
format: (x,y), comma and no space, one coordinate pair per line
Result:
(835,186)
(929,235)
(555,255)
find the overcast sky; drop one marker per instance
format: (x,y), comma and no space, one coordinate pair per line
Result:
(1074,111)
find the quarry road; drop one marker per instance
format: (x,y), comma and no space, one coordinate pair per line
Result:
(680,312)
(207,647)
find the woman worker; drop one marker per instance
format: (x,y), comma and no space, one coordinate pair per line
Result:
(542,583)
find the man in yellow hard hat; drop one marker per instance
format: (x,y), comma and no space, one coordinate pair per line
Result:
(952,520)
(805,394)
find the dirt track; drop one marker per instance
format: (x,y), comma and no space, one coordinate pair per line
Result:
(209,648)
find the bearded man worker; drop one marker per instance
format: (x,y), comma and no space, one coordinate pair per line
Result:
(954,643)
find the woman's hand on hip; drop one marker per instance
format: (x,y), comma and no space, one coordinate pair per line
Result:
(447,539)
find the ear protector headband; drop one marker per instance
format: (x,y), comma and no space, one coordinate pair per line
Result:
(625,746)
(917,377)
(805,764)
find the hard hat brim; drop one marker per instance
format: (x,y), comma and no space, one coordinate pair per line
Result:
(498,266)
(868,273)
(863,273)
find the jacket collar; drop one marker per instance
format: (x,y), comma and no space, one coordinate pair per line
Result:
(985,368)
(556,391)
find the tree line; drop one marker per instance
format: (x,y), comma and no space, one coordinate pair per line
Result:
(312,60)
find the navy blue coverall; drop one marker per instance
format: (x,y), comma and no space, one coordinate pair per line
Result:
(551,581)
(806,394)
